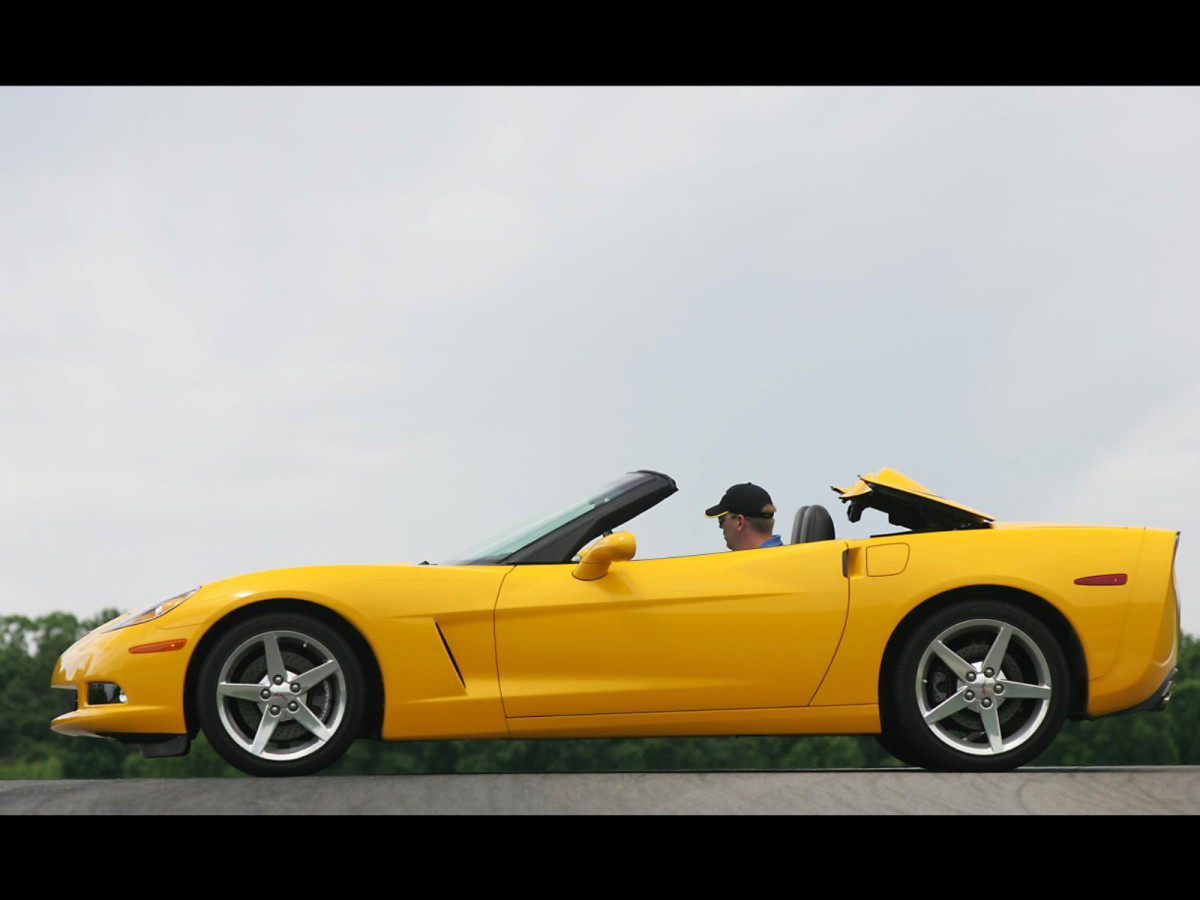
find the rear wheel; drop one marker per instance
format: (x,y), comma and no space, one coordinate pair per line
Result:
(980,686)
(281,694)
(895,745)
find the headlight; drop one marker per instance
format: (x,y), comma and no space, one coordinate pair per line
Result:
(151,612)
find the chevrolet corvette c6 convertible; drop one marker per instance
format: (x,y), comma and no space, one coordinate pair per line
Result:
(961,642)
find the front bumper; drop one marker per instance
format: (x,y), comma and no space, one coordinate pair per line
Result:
(153,683)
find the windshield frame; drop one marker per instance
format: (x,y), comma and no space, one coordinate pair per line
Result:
(634,493)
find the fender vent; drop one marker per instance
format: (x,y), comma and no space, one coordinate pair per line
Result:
(453,661)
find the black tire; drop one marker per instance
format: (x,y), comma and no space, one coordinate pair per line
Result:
(302,724)
(992,703)
(895,745)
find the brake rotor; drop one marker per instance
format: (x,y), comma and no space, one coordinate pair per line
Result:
(943,684)
(249,714)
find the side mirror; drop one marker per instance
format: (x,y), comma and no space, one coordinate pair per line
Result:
(595,560)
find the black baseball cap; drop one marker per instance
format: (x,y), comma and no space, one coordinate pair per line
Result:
(743,500)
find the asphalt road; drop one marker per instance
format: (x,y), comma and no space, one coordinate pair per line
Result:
(1146,790)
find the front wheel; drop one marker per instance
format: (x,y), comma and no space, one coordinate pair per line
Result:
(281,694)
(980,686)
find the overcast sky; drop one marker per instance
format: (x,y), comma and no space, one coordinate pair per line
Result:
(250,328)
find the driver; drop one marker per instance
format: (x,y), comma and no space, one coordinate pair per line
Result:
(746,516)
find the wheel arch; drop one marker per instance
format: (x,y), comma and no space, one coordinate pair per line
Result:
(1036,606)
(373,717)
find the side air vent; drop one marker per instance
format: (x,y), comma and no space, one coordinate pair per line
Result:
(453,661)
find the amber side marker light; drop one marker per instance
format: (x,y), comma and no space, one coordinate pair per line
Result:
(159,647)
(1119,578)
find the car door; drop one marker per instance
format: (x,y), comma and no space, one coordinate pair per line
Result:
(741,630)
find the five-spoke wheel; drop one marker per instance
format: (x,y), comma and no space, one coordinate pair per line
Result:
(280,694)
(979,686)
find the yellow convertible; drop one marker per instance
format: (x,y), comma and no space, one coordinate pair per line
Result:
(961,642)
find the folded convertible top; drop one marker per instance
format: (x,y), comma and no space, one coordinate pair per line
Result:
(908,503)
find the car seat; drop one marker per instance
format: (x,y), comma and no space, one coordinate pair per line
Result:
(812,523)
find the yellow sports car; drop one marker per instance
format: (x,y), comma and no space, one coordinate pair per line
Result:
(961,642)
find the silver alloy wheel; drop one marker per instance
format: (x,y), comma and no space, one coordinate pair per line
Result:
(281,695)
(983,687)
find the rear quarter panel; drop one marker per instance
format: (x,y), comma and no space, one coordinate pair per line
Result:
(1042,561)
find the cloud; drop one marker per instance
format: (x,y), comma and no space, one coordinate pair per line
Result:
(250,327)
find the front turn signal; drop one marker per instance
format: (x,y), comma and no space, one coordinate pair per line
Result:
(159,647)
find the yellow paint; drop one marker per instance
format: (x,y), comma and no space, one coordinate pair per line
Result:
(886,559)
(755,628)
(595,560)
(780,640)
(898,481)
(1042,562)
(802,720)
(393,607)
(1148,644)
(152,682)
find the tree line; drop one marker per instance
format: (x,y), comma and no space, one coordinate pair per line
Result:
(29,749)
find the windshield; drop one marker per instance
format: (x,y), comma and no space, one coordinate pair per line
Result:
(503,545)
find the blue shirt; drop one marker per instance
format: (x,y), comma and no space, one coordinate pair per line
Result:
(773,541)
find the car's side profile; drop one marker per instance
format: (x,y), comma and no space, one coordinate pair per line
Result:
(961,642)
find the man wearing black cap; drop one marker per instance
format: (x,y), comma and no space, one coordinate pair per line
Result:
(746,516)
